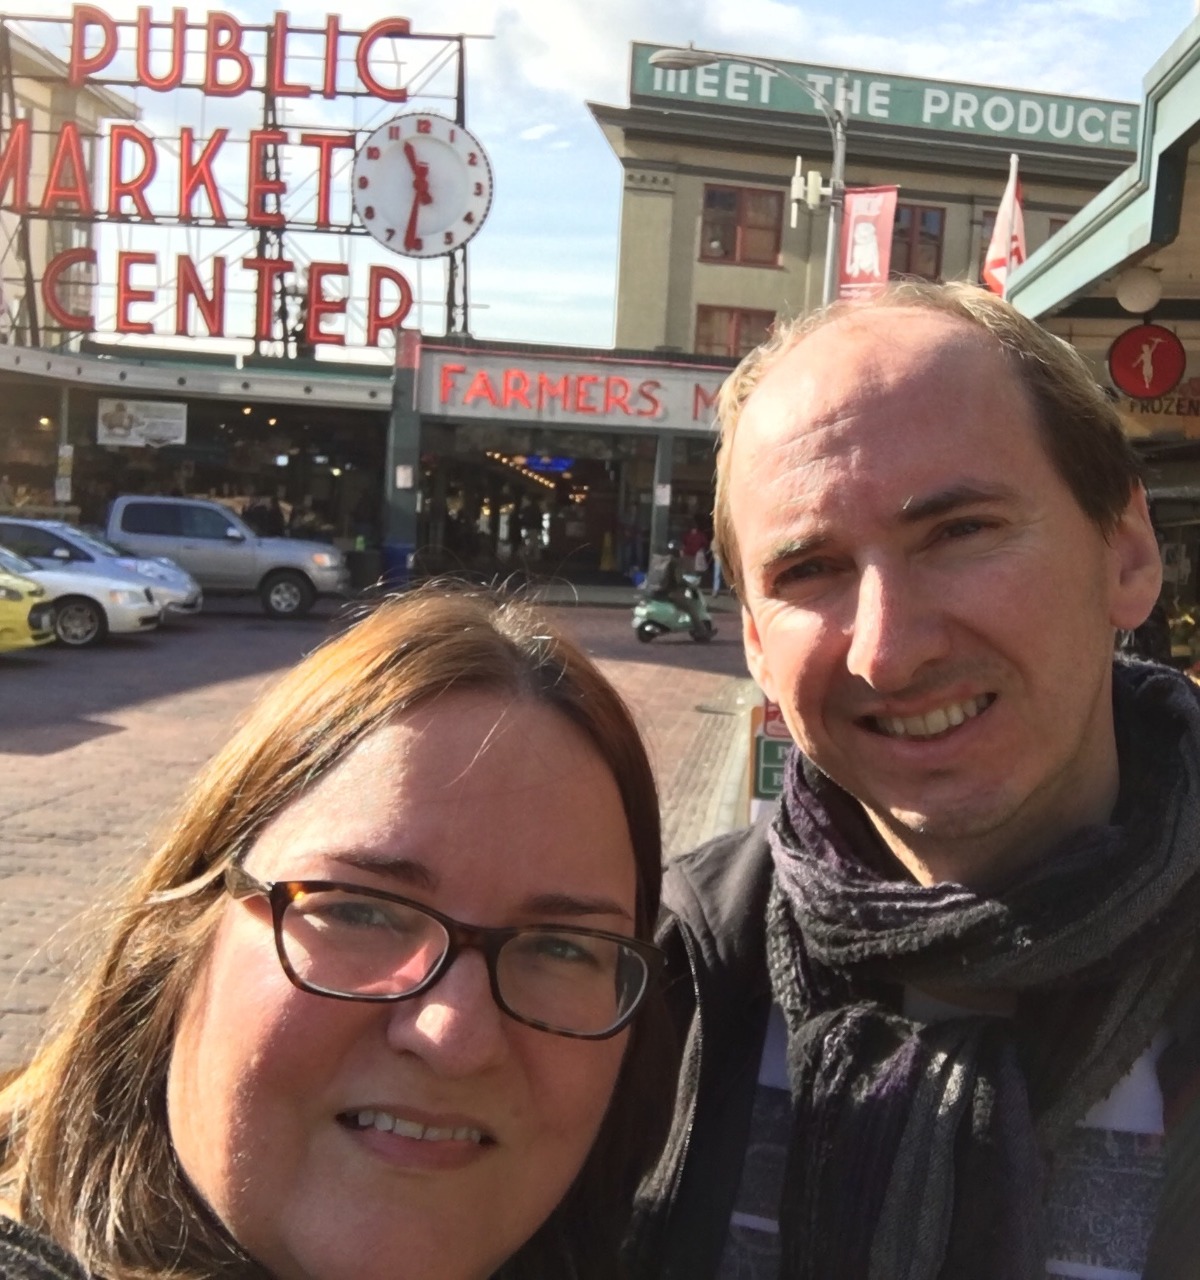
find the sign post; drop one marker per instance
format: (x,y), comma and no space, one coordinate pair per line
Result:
(770,743)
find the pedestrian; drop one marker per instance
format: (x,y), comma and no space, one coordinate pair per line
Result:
(382,1002)
(694,546)
(942,1009)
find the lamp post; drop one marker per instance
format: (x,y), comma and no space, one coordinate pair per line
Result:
(691,58)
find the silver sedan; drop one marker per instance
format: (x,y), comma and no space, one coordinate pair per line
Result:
(90,605)
(53,544)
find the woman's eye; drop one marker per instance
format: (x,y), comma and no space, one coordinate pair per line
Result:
(558,949)
(356,914)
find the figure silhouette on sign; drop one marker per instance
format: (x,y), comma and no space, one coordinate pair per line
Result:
(1145,361)
(864,251)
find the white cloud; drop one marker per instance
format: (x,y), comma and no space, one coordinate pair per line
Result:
(536,132)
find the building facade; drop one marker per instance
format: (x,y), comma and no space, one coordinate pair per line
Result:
(36,94)
(712,250)
(1131,257)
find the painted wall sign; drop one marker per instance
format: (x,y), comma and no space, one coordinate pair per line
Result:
(141,423)
(1146,361)
(557,390)
(1175,414)
(969,109)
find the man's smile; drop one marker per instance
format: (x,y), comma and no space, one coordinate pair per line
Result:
(930,724)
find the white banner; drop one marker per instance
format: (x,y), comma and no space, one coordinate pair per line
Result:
(139,424)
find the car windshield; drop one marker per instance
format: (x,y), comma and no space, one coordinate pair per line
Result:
(94,542)
(10,562)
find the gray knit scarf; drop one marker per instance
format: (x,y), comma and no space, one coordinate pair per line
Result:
(918,1149)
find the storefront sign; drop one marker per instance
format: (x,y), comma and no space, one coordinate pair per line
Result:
(140,423)
(968,109)
(596,393)
(1146,361)
(63,473)
(271,178)
(866,245)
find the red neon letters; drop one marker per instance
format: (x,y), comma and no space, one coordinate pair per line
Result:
(230,67)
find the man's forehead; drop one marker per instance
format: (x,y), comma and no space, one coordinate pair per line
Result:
(864,357)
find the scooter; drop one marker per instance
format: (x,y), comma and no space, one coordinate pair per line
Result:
(656,615)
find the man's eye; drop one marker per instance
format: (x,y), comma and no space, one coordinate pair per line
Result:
(962,528)
(801,571)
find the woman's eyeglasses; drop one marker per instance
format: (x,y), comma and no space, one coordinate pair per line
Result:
(353,943)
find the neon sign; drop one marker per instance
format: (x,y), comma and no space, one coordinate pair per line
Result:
(264,180)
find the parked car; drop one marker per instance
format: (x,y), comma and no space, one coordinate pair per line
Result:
(225,555)
(52,544)
(90,604)
(26,616)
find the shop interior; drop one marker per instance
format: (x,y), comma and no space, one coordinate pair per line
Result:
(303,470)
(504,500)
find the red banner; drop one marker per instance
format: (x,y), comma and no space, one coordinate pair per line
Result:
(866,249)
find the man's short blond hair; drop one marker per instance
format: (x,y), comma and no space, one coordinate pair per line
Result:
(1079,425)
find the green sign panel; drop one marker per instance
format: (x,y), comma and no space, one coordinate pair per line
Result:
(972,109)
(769,757)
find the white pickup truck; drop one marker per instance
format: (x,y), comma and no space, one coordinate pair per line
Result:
(225,555)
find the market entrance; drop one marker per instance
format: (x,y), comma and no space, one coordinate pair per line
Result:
(503,500)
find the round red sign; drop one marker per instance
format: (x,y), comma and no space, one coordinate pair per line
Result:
(1146,361)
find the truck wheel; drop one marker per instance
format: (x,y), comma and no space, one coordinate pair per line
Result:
(79,622)
(286,594)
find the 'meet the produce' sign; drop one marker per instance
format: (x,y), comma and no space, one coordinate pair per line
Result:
(1011,114)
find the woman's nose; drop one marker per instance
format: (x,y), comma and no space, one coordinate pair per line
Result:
(456,1027)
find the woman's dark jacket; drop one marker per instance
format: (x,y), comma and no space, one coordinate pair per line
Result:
(25,1255)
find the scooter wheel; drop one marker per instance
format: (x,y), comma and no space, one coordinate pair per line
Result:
(646,632)
(702,635)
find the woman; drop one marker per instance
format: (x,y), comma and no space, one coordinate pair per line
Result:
(369,1009)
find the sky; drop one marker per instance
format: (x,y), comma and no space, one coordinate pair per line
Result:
(544,267)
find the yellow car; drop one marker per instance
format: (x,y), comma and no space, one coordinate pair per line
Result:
(26,617)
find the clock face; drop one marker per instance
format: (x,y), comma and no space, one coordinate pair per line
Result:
(422,185)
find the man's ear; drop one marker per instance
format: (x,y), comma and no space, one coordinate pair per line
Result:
(756,659)
(1137,565)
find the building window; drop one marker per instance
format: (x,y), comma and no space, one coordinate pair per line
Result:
(730,331)
(1056,225)
(917,241)
(742,225)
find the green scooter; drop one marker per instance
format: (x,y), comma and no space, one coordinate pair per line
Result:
(655,614)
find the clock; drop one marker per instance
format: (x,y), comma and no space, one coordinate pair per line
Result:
(422,184)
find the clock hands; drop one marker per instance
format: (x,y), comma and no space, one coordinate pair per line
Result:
(421,195)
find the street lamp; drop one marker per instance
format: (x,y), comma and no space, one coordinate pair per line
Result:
(691,58)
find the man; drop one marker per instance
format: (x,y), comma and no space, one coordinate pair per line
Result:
(938,1016)
(666,581)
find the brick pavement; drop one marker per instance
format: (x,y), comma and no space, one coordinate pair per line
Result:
(96,748)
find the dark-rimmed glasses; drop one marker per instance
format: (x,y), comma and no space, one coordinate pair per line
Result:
(352,943)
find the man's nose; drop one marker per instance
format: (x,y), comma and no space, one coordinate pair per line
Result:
(456,1027)
(897,629)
